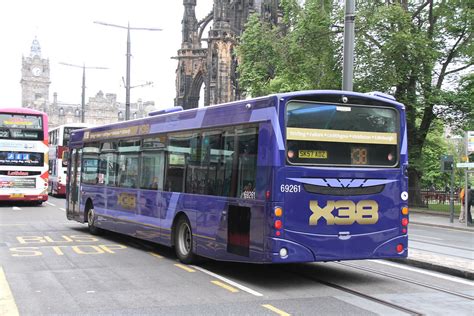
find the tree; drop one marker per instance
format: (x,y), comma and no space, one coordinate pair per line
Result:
(421,52)
(302,53)
(417,51)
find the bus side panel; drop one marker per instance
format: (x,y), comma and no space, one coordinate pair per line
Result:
(95,194)
(239,231)
(120,211)
(150,205)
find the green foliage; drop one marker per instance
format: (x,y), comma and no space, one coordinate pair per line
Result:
(434,148)
(420,51)
(258,57)
(302,54)
(417,51)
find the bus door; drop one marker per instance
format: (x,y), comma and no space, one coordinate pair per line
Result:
(74,184)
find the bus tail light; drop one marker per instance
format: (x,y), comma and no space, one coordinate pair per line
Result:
(45,177)
(278,224)
(405,210)
(267,195)
(404,222)
(399,248)
(278,211)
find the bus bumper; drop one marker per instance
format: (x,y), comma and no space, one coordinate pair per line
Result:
(23,197)
(294,252)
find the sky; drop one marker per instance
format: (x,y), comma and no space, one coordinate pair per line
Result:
(67,34)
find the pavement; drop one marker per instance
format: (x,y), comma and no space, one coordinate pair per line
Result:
(453,265)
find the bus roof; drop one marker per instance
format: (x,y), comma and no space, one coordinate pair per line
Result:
(21,111)
(81,125)
(232,113)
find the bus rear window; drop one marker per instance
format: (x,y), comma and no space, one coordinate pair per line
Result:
(341,135)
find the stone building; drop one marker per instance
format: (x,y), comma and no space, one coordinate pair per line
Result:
(215,66)
(35,79)
(100,109)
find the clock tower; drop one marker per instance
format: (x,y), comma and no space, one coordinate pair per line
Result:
(35,80)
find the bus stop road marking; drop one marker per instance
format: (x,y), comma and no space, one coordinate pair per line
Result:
(185,268)
(155,255)
(276,310)
(225,286)
(232,283)
(7,302)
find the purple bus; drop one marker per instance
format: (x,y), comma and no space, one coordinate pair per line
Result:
(293,177)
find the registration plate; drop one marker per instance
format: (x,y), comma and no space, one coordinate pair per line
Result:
(318,154)
(16,195)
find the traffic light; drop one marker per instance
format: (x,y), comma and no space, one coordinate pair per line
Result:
(447,163)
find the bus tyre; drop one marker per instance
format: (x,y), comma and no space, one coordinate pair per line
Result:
(183,241)
(90,222)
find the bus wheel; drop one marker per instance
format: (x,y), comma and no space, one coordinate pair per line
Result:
(183,242)
(90,222)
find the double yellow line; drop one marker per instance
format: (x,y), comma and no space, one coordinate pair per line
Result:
(7,302)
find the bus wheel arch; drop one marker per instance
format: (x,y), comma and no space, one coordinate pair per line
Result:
(182,239)
(89,218)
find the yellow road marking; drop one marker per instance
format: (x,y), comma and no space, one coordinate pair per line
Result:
(276,310)
(155,255)
(7,302)
(186,268)
(225,286)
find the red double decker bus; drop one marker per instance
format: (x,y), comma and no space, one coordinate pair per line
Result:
(23,155)
(58,156)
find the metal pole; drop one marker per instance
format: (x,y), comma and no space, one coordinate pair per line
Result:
(83,97)
(451,196)
(127,85)
(348,65)
(83,103)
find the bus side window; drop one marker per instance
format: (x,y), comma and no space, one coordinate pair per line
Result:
(108,169)
(128,170)
(240,160)
(152,170)
(90,163)
(128,163)
(181,151)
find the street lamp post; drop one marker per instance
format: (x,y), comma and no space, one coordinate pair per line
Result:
(127,84)
(83,96)
(348,62)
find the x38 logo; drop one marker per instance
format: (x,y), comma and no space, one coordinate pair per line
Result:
(365,212)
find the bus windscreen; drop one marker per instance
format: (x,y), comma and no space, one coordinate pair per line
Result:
(341,135)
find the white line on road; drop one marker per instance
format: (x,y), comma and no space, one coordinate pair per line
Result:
(12,224)
(237,285)
(418,270)
(62,209)
(439,227)
(16,208)
(425,237)
(50,204)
